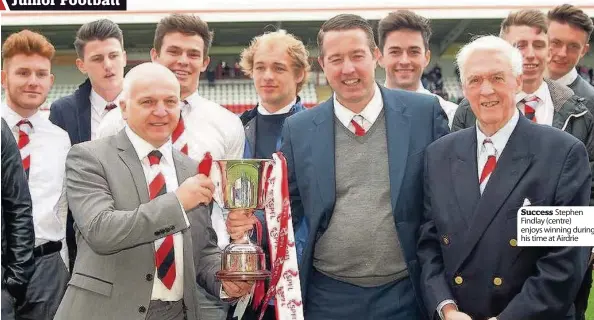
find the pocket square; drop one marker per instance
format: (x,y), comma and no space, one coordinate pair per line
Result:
(526,203)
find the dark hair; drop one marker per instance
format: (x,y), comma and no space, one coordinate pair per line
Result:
(343,22)
(403,19)
(573,16)
(185,24)
(97,30)
(529,17)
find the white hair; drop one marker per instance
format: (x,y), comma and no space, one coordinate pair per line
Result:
(150,70)
(490,43)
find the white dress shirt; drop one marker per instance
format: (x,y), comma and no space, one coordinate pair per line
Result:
(167,166)
(545,110)
(283,110)
(366,118)
(499,140)
(569,78)
(48,147)
(98,111)
(208,127)
(448,107)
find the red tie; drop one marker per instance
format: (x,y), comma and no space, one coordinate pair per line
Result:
(165,255)
(359,131)
(489,165)
(181,145)
(530,103)
(24,129)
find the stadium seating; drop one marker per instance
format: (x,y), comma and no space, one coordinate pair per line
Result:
(240,95)
(235,95)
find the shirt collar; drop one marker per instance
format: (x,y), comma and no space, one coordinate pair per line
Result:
(569,78)
(370,113)
(284,110)
(99,104)
(12,118)
(192,99)
(541,93)
(500,137)
(422,89)
(143,148)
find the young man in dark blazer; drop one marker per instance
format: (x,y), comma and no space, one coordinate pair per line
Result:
(99,46)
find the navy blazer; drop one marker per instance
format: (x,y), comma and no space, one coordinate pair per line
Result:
(413,121)
(73,113)
(468,247)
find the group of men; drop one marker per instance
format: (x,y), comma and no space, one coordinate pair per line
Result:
(105,217)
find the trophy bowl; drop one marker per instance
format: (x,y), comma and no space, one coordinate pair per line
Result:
(242,186)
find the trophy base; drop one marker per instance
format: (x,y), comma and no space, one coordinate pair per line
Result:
(242,276)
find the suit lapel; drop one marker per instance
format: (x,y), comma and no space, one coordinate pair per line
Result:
(511,166)
(83,115)
(398,137)
(465,174)
(250,136)
(182,170)
(130,158)
(322,144)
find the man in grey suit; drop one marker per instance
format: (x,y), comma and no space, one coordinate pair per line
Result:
(141,246)
(569,33)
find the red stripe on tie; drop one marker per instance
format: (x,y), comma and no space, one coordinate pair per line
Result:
(27,163)
(170,277)
(160,256)
(156,186)
(359,131)
(488,168)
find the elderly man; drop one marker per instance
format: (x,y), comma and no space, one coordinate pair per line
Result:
(471,265)
(142,215)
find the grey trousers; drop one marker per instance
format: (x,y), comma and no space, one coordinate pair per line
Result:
(45,290)
(211,307)
(7,306)
(166,310)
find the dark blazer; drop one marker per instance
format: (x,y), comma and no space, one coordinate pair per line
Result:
(475,238)
(73,113)
(18,235)
(413,121)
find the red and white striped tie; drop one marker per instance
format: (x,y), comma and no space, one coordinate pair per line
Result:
(165,254)
(178,137)
(489,166)
(359,130)
(530,104)
(25,127)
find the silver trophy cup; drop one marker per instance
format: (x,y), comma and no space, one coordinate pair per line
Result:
(242,185)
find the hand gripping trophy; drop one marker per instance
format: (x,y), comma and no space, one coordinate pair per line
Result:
(260,184)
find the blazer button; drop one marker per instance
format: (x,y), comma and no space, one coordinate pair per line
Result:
(497,281)
(458,280)
(149,277)
(445,240)
(141,309)
(513,242)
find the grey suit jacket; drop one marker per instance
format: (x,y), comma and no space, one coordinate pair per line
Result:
(583,89)
(116,226)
